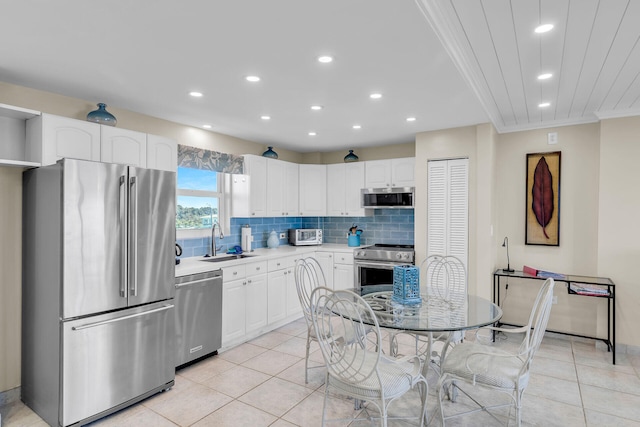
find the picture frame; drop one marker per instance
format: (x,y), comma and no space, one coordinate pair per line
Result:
(542,221)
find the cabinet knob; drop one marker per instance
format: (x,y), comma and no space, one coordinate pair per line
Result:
(244,283)
(249,281)
(258,268)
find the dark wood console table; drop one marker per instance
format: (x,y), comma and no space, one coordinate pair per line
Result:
(573,284)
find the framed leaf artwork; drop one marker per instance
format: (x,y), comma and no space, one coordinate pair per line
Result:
(543,199)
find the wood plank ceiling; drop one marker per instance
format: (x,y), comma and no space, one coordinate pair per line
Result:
(592,53)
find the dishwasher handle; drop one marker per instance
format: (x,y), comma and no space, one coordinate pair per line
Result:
(208,279)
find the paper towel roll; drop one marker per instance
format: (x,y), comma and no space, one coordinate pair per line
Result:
(245,241)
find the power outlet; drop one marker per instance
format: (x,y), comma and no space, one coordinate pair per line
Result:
(283,236)
(555,299)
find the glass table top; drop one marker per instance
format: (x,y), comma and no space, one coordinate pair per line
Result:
(430,315)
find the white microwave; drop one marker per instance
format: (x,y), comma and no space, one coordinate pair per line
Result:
(305,236)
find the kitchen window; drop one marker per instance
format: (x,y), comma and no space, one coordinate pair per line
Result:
(199,202)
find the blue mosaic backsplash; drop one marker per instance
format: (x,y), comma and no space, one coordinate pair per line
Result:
(384,226)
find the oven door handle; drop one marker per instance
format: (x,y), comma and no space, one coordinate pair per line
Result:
(384,265)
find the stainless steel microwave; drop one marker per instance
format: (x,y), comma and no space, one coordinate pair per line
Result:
(384,198)
(305,236)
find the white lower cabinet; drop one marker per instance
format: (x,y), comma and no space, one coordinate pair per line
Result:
(244,292)
(337,268)
(283,299)
(343,275)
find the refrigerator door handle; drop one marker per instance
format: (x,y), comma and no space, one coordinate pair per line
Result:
(118,319)
(122,199)
(133,234)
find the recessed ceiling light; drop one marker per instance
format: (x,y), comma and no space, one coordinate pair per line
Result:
(375,96)
(312,134)
(411,119)
(252,79)
(544,104)
(325,59)
(545,76)
(543,28)
(195,94)
(206,126)
(357,127)
(265,117)
(317,107)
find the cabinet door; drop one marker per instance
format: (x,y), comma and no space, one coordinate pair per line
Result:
(343,276)
(276,187)
(233,310)
(352,184)
(313,190)
(378,173)
(64,137)
(123,146)
(256,309)
(325,259)
(336,189)
(293,302)
(162,153)
(403,172)
(277,296)
(256,168)
(291,188)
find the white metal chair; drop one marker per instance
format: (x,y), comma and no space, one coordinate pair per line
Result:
(491,368)
(308,276)
(350,341)
(443,285)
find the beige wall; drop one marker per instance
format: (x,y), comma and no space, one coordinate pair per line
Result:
(619,225)
(10,276)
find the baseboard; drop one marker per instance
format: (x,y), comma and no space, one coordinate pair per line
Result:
(9,396)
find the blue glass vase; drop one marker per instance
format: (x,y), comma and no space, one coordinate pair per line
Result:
(351,157)
(270,153)
(102,116)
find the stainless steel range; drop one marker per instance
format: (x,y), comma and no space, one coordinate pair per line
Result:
(374,264)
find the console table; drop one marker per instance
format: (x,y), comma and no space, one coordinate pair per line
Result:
(573,284)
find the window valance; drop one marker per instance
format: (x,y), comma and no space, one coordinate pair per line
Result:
(199,158)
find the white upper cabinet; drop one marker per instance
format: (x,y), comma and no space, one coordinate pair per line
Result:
(123,146)
(313,190)
(282,181)
(51,138)
(344,182)
(13,139)
(162,153)
(390,173)
(256,168)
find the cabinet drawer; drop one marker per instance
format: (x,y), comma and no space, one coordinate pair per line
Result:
(256,268)
(281,263)
(343,258)
(233,273)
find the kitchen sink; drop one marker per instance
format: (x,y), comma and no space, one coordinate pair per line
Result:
(227,258)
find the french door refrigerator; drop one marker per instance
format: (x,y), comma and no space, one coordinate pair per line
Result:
(98,288)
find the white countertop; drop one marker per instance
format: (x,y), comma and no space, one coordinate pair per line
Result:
(194,265)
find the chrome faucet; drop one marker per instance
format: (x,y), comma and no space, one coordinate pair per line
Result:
(214,250)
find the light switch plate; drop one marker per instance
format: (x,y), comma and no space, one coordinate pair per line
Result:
(552,138)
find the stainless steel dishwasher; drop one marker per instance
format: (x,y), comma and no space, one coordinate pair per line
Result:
(198,304)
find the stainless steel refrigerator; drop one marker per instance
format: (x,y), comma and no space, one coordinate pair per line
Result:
(98,288)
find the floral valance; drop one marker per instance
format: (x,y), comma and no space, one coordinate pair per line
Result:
(199,158)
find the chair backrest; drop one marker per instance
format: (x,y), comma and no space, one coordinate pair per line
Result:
(348,334)
(538,319)
(308,276)
(446,280)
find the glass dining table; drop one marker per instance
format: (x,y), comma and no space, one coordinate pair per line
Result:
(429,316)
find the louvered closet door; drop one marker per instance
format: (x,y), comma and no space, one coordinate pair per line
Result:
(448,208)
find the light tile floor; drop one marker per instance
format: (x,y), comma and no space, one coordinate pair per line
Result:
(261,383)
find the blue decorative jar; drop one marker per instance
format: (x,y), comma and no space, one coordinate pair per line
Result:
(270,153)
(406,285)
(102,116)
(351,157)
(273,241)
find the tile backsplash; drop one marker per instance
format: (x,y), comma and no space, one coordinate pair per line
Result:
(384,226)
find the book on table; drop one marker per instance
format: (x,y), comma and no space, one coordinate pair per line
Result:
(589,289)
